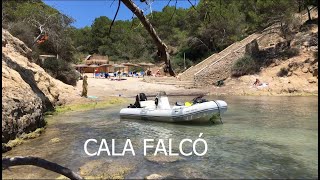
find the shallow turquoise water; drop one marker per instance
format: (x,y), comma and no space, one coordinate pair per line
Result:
(262,137)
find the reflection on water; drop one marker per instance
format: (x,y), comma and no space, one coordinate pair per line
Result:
(262,137)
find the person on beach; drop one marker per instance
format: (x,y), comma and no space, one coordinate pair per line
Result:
(119,75)
(257,82)
(158,73)
(85,87)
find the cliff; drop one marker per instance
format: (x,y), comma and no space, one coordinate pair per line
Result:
(27,90)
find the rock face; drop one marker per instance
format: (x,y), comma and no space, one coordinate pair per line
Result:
(252,49)
(27,90)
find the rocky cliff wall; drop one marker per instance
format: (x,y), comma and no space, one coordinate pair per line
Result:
(27,90)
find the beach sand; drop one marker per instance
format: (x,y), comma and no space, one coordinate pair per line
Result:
(129,87)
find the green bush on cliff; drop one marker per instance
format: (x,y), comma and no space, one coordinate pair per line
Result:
(178,63)
(283,72)
(61,70)
(289,53)
(245,65)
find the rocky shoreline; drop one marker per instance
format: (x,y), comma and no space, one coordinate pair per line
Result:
(27,90)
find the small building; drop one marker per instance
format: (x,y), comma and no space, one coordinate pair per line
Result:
(96,59)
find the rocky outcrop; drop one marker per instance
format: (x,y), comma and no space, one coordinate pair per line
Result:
(252,48)
(27,90)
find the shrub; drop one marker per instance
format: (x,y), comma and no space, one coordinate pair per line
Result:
(283,72)
(137,69)
(289,53)
(22,31)
(178,63)
(61,70)
(245,65)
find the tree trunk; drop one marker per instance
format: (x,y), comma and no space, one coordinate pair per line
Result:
(299,5)
(162,48)
(35,161)
(309,15)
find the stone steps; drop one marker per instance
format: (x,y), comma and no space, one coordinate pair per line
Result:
(176,82)
(189,74)
(231,49)
(169,81)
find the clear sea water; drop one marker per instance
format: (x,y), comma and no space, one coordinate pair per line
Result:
(261,137)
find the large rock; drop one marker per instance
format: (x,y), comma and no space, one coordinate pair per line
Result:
(312,80)
(27,90)
(252,48)
(314,69)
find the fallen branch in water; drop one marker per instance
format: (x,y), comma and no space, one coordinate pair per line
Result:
(35,161)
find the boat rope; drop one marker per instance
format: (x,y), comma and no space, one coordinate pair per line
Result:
(218,110)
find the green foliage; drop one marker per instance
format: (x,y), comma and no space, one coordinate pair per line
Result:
(245,65)
(283,72)
(178,63)
(23,20)
(22,31)
(137,69)
(197,34)
(62,70)
(289,53)
(89,105)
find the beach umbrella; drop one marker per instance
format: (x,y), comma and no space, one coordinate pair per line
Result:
(130,64)
(93,66)
(121,66)
(80,66)
(118,66)
(143,64)
(146,64)
(105,65)
(149,65)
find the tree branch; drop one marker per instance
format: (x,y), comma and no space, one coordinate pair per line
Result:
(192,5)
(175,8)
(149,4)
(112,2)
(168,4)
(115,16)
(39,162)
(162,48)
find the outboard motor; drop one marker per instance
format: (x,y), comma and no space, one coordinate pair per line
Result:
(143,97)
(139,97)
(199,99)
(162,101)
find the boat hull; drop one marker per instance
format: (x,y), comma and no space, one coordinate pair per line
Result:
(197,113)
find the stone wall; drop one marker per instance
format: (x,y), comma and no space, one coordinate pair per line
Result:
(220,70)
(189,73)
